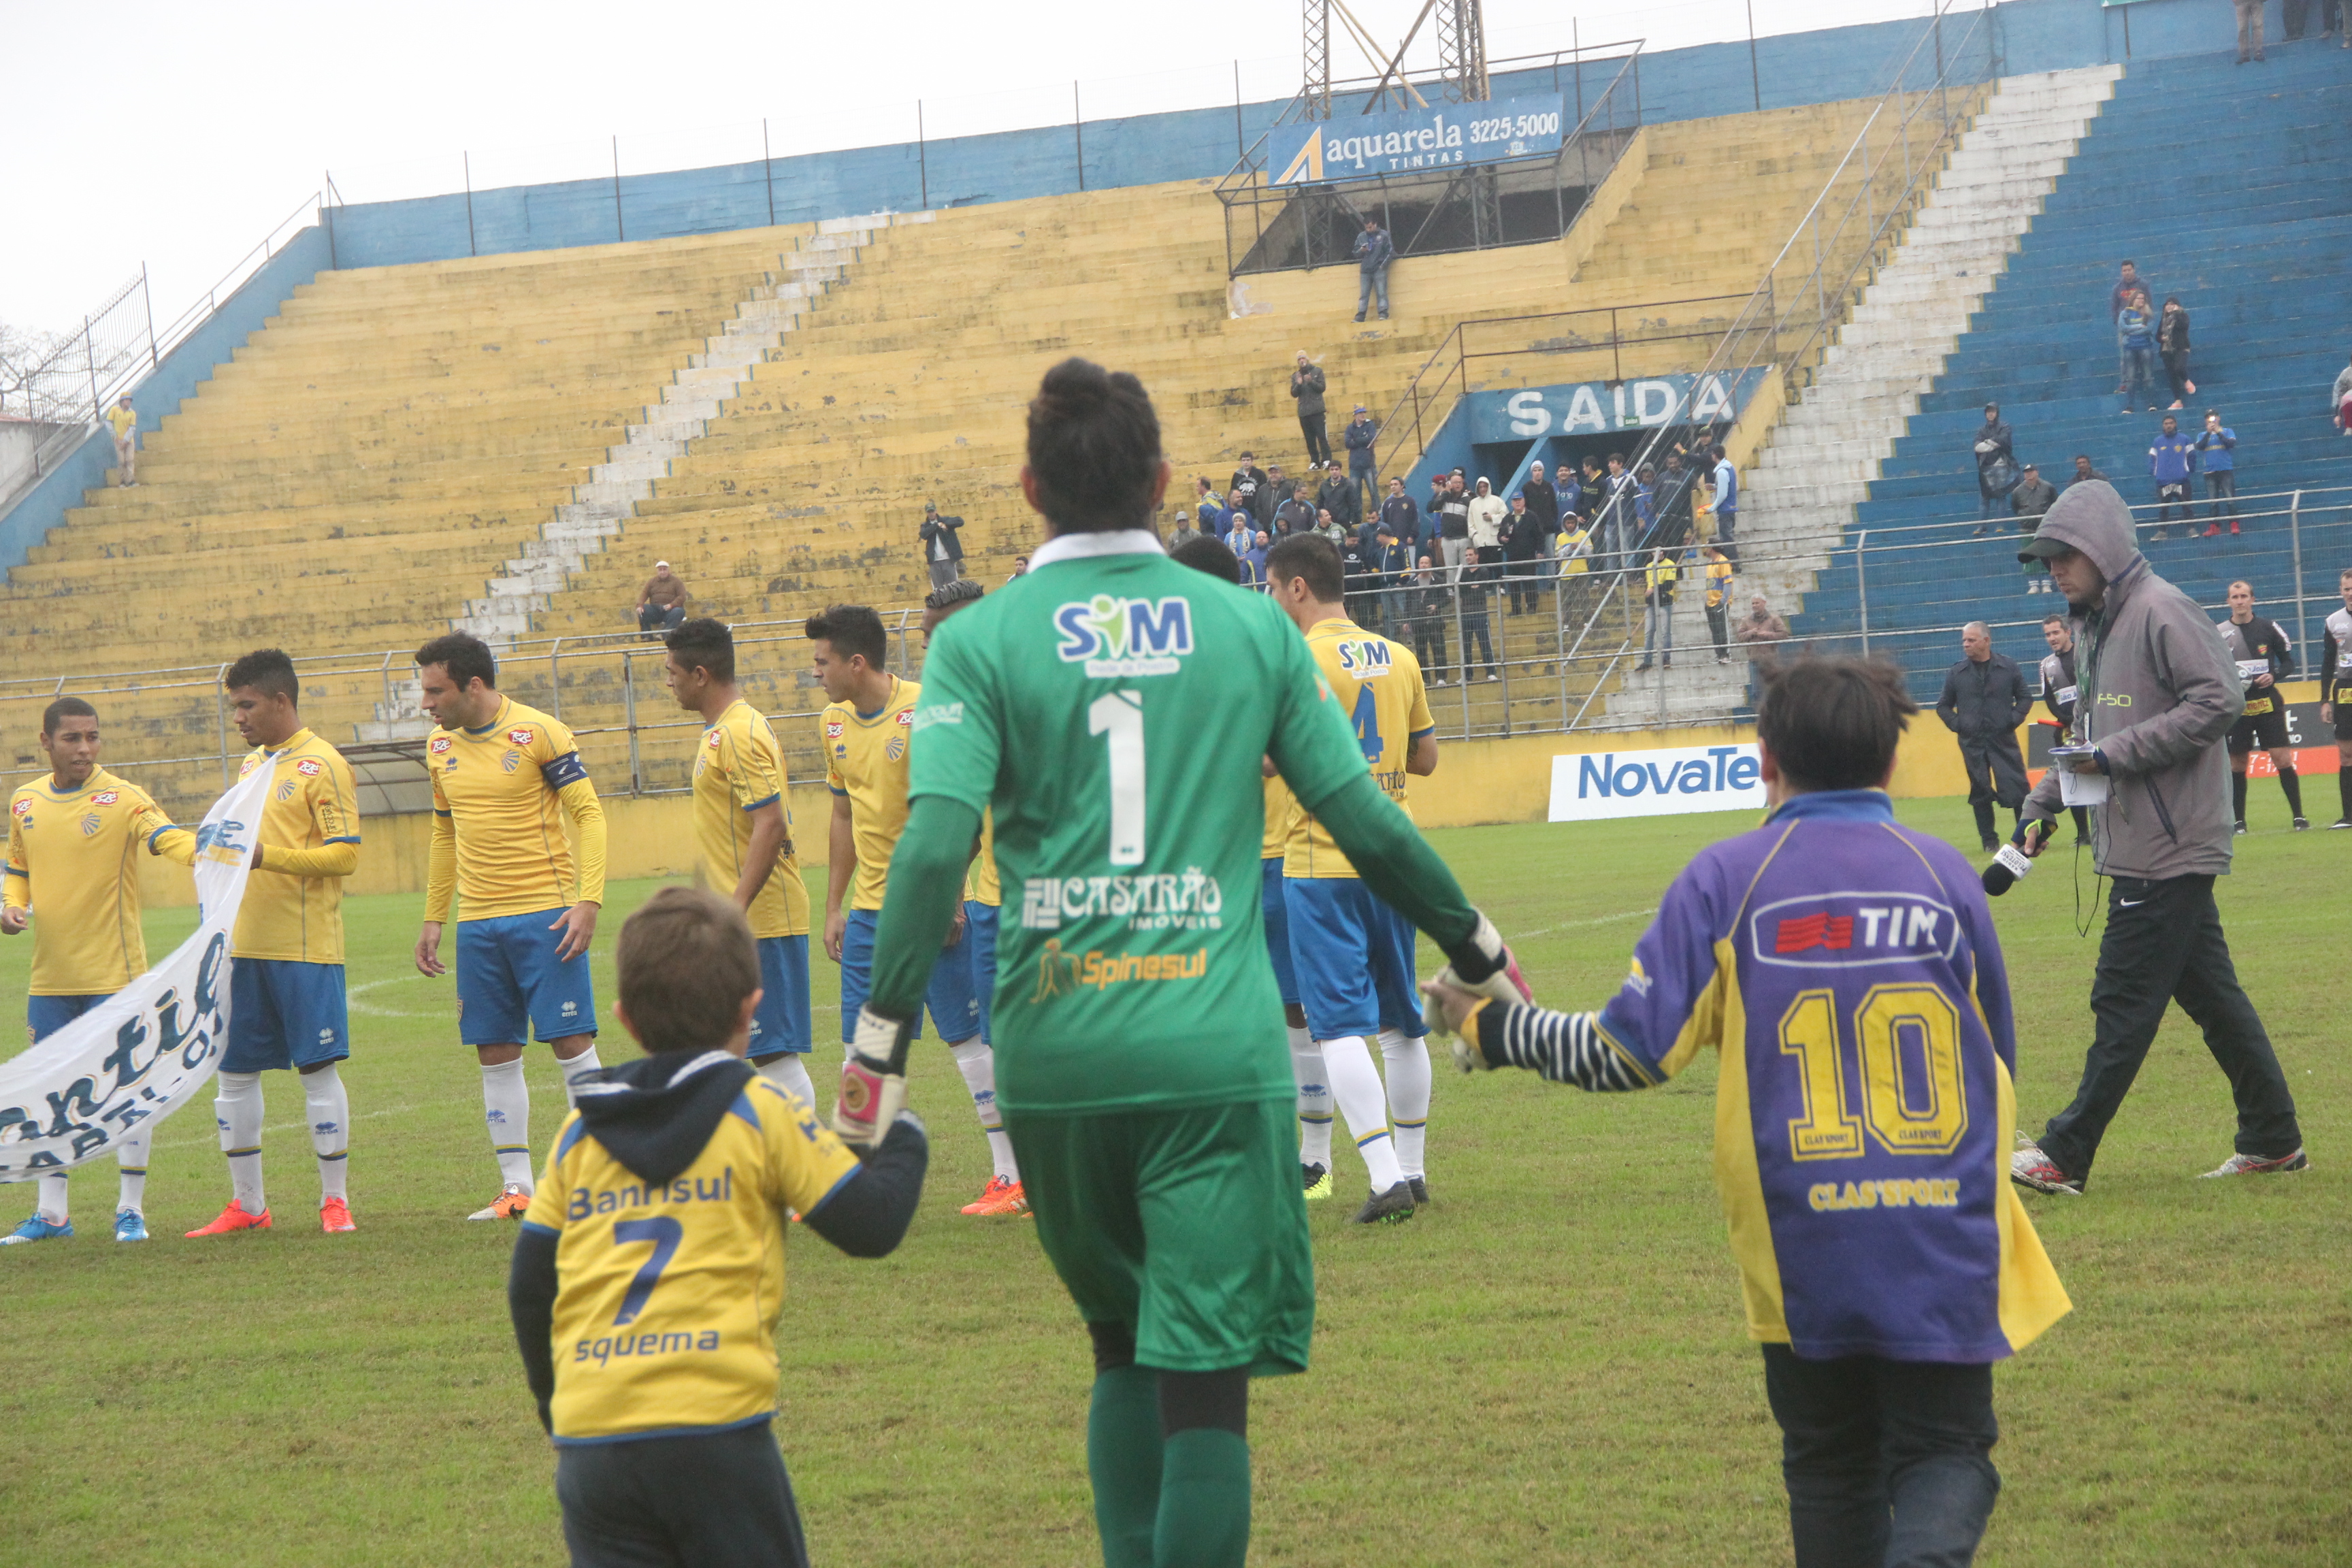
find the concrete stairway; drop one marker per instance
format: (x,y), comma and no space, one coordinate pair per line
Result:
(1800,499)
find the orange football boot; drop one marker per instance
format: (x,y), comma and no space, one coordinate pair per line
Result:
(234,1219)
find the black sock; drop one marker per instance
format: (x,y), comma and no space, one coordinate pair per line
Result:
(2292,782)
(2343,790)
(2238,797)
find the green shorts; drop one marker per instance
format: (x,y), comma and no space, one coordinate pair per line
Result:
(1187,1226)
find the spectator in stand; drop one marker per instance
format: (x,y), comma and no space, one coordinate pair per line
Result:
(2250,30)
(2028,501)
(2127,283)
(2295,12)
(1427,612)
(1307,388)
(2341,398)
(1996,466)
(124,421)
(1374,252)
(1253,561)
(1658,611)
(661,603)
(1725,483)
(2217,457)
(1295,515)
(1358,597)
(1270,496)
(1452,510)
(1470,603)
(1241,495)
(2058,695)
(1718,571)
(1677,492)
(1329,527)
(1984,702)
(2172,347)
(2136,351)
(1485,515)
(1183,532)
(1522,545)
(1020,568)
(1573,551)
(942,551)
(1645,508)
(1208,511)
(1569,489)
(1543,500)
(1400,517)
(1759,634)
(2083,471)
(1239,534)
(1392,564)
(1339,498)
(1359,438)
(2173,463)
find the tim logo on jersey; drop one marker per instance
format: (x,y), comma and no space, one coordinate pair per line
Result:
(1852,931)
(1115,637)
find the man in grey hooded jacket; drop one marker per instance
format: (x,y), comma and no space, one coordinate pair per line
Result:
(2156,697)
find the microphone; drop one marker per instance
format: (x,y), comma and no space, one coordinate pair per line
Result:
(2006,867)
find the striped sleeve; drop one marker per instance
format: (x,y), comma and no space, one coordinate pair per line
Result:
(1566,1047)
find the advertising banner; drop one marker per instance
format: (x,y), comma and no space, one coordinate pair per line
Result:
(1441,136)
(1589,786)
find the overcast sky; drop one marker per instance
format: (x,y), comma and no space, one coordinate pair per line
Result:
(177,135)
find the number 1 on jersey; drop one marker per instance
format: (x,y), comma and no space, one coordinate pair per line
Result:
(1119,716)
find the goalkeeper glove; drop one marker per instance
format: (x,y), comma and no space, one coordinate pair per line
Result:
(873,1080)
(1483,966)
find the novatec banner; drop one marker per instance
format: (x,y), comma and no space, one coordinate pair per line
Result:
(1441,136)
(1591,785)
(1597,407)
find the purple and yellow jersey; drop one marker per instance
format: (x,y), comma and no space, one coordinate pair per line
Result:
(1847,970)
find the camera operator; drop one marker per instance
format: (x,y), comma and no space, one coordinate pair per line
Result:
(2157,695)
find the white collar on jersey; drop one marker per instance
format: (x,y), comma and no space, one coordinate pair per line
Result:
(1083,546)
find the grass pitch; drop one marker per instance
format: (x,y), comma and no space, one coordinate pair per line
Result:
(1548,1365)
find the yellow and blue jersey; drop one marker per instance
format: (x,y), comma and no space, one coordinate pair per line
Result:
(1848,972)
(73,861)
(980,883)
(499,795)
(865,759)
(293,907)
(1278,805)
(1379,687)
(738,770)
(668,1294)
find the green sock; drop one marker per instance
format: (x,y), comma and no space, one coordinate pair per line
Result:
(1204,1500)
(1123,1455)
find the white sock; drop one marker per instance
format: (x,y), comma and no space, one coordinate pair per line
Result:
(506,1107)
(1314,1098)
(329,1109)
(131,1155)
(790,1072)
(976,1062)
(573,1067)
(236,1106)
(51,1204)
(1406,1058)
(1356,1085)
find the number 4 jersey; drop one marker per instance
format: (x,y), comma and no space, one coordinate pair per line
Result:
(1848,970)
(1113,708)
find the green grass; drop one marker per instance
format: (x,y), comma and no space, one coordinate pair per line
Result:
(1547,1366)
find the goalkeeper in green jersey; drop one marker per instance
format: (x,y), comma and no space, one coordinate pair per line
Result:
(1113,708)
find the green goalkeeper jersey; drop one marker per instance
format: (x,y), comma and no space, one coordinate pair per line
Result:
(1112,707)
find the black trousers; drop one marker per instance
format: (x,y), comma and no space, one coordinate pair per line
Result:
(1318,443)
(1996,776)
(720,1500)
(1428,644)
(1886,1462)
(2163,944)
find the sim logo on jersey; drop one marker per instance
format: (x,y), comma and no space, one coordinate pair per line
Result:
(1365,658)
(1852,931)
(1113,637)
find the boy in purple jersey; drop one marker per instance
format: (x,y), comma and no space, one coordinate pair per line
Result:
(1847,970)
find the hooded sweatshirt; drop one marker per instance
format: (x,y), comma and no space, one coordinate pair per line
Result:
(1487,513)
(2157,695)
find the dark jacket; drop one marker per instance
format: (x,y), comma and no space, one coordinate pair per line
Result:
(942,528)
(1360,435)
(2157,697)
(1306,386)
(1403,518)
(1337,497)
(1543,504)
(1523,537)
(1373,250)
(2172,329)
(1984,702)
(1998,435)
(2094,476)
(2032,497)
(1241,495)
(1672,505)
(1294,516)
(1453,515)
(1269,498)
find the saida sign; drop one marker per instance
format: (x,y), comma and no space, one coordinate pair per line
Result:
(1443,136)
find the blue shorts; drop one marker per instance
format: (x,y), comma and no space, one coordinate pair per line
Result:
(980,935)
(781,1027)
(508,978)
(1354,956)
(44,1016)
(955,1010)
(284,1014)
(1276,911)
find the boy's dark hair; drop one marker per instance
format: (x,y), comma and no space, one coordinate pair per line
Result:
(467,658)
(961,590)
(2054,619)
(852,629)
(1203,554)
(268,670)
(1833,722)
(705,643)
(65,708)
(685,962)
(1312,557)
(1094,449)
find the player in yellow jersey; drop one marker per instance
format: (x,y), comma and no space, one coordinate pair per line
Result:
(1353,955)
(287,1000)
(73,844)
(867,731)
(975,1058)
(743,826)
(649,1273)
(505,777)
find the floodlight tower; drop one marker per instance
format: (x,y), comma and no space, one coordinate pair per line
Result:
(1315,55)
(1462,49)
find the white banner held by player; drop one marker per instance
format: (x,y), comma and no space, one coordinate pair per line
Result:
(1588,787)
(146,1050)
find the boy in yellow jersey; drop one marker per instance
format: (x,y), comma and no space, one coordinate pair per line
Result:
(504,778)
(975,1058)
(1717,567)
(1352,954)
(867,731)
(649,1272)
(743,826)
(287,1002)
(73,840)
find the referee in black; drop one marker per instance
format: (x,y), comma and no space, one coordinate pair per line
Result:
(2265,656)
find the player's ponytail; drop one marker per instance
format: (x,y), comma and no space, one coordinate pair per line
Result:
(1094,449)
